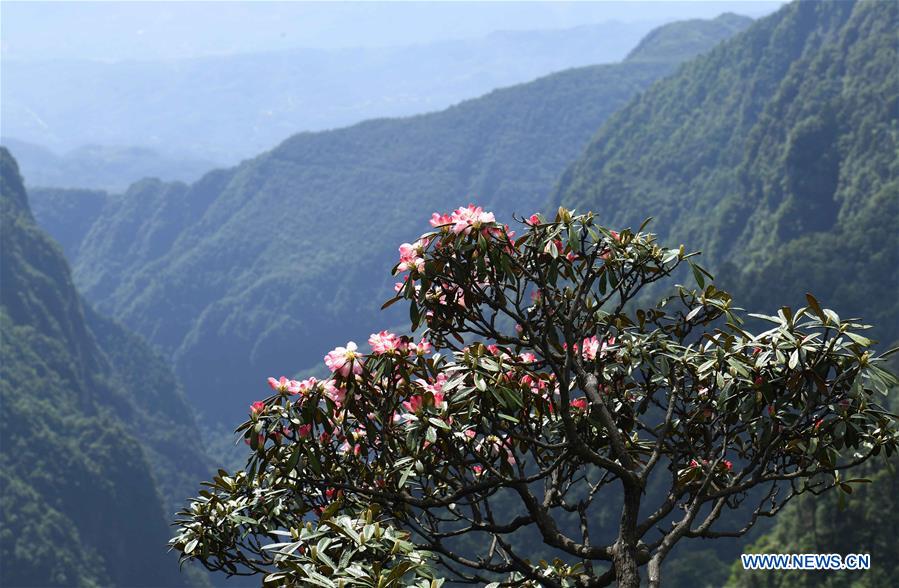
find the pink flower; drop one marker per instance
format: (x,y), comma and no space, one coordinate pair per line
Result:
(337,395)
(422,348)
(304,430)
(305,386)
(728,465)
(527,357)
(436,386)
(344,359)
(478,470)
(440,220)
(694,463)
(410,256)
(472,217)
(533,220)
(284,385)
(385,342)
(579,404)
(414,404)
(591,347)
(257,407)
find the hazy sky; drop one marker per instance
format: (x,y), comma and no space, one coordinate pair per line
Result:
(150,30)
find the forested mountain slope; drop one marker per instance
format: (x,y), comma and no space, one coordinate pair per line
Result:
(98,443)
(775,154)
(254,270)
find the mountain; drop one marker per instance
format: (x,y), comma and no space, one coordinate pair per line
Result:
(99,446)
(255,270)
(775,154)
(101,167)
(225,108)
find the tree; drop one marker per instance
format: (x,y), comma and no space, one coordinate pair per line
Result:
(540,385)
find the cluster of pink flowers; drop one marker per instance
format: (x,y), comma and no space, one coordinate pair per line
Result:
(591,348)
(436,386)
(334,392)
(390,343)
(463,219)
(292,386)
(417,402)
(579,404)
(423,347)
(344,359)
(411,256)
(385,342)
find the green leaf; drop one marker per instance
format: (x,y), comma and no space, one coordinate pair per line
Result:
(697,274)
(438,422)
(813,303)
(391,302)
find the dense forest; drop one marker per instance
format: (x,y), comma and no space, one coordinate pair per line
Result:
(254,270)
(99,446)
(774,154)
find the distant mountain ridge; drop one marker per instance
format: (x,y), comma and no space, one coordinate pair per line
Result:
(255,270)
(230,107)
(101,167)
(99,447)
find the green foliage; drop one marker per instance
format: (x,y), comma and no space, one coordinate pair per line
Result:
(775,153)
(843,524)
(245,271)
(549,390)
(686,39)
(93,426)
(72,212)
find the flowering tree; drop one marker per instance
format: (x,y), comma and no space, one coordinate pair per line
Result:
(540,394)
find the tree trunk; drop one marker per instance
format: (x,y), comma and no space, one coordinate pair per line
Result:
(625,550)
(627,573)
